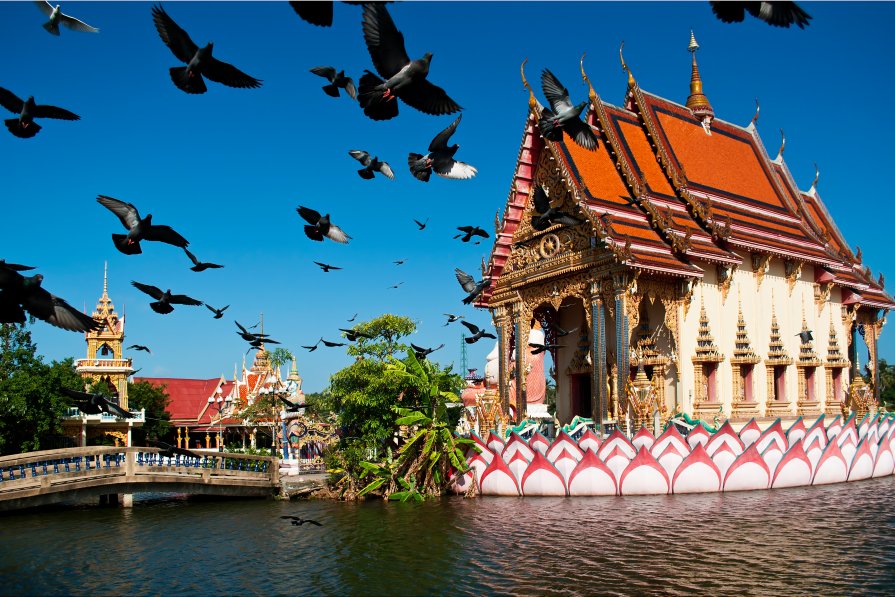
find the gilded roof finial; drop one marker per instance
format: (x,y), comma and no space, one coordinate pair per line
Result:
(591,94)
(816,176)
(782,145)
(757,110)
(631,81)
(698,103)
(106,279)
(532,102)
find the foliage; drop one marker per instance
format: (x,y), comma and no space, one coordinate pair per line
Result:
(886,385)
(320,405)
(31,402)
(154,399)
(423,463)
(387,331)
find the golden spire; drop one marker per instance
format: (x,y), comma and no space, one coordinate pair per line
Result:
(106,279)
(532,101)
(631,81)
(698,103)
(591,94)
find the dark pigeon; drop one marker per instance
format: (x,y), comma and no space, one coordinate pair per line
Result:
(24,126)
(440,158)
(451,318)
(469,232)
(539,348)
(353,335)
(331,344)
(321,226)
(200,266)
(319,13)
(805,336)
(371,165)
(477,333)
(218,313)
(337,80)
(291,407)
(94,404)
(471,286)
(139,347)
(422,225)
(164,300)
(548,216)
(353,318)
(20,294)
(199,61)
(326,267)
(57,17)
(564,116)
(169,451)
(421,353)
(404,78)
(778,14)
(138,229)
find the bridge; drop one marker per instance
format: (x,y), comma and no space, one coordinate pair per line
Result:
(51,476)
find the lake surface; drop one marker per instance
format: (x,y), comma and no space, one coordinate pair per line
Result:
(837,539)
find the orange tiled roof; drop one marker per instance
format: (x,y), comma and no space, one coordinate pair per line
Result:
(188,397)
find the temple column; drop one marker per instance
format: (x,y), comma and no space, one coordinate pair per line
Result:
(598,348)
(502,324)
(522,326)
(620,282)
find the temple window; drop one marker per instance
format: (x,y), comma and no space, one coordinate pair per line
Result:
(780,383)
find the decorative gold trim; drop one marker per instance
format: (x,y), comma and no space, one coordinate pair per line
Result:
(760,266)
(792,270)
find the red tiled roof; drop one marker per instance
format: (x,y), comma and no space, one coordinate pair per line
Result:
(189,397)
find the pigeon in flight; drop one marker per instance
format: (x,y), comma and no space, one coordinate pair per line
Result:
(394,286)
(312,348)
(247,335)
(94,404)
(451,318)
(297,521)
(400,262)
(16,267)
(405,79)
(57,17)
(331,344)
(200,266)
(199,61)
(24,126)
(471,286)
(291,407)
(564,116)
(353,318)
(320,226)
(477,333)
(422,225)
(315,13)
(469,232)
(805,336)
(539,348)
(19,294)
(561,332)
(218,313)
(326,267)
(778,14)
(548,216)
(138,229)
(421,353)
(440,158)
(337,80)
(164,300)
(170,451)
(353,335)
(371,165)
(139,347)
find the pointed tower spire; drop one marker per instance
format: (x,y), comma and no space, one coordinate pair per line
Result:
(777,354)
(698,103)
(742,352)
(705,342)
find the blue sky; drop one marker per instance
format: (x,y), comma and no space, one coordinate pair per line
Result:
(227,169)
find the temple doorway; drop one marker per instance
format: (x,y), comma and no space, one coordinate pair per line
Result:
(581,398)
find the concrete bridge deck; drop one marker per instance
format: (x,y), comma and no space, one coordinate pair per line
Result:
(51,476)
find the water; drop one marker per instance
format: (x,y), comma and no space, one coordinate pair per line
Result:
(837,539)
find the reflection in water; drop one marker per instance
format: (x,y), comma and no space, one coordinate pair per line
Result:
(832,539)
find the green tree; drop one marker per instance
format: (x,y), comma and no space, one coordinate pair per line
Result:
(886,385)
(31,401)
(158,420)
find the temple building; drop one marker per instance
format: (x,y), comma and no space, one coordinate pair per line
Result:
(703,280)
(105,371)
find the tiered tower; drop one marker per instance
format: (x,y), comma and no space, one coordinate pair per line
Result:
(808,403)
(835,366)
(775,366)
(705,367)
(743,364)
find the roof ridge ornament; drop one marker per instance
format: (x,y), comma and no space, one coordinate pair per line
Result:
(779,157)
(532,101)
(813,188)
(631,82)
(697,102)
(757,110)
(591,94)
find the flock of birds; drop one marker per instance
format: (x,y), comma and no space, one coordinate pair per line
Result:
(396,77)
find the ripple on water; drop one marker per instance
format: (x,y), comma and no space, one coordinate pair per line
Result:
(832,539)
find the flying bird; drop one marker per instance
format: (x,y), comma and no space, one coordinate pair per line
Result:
(19,294)
(471,286)
(394,286)
(139,347)
(337,80)
(138,228)
(218,313)
(312,348)
(451,318)
(331,344)
(477,333)
(199,61)
(539,348)
(24,126)
(548,216)
(422,225)
(170,451)
(164,300)
(421,353)
(16,267)
(321,226)
(561,332)
(315,13)
(297,521)
(94,404)
(291,407)
(371,165)
(248,336)
(326,267)
(57,17)
(778,14)
(353,335)
(400,262)
(469,232)
(805,336)
(405,79)
(564,115)
(440,158)
(200,266)
(353,318)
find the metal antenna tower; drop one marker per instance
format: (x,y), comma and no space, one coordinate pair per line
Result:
(464,361)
